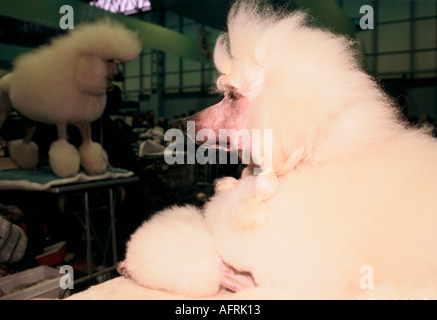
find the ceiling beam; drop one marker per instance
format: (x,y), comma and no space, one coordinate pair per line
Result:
(46,12)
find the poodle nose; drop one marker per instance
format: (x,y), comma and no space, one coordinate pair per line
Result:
(194,118)
(118,77)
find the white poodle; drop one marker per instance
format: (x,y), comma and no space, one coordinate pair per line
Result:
(345,209)
(64,83)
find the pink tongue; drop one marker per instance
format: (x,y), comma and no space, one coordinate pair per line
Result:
(234,280)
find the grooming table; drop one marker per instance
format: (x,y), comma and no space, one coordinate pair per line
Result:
(44,180)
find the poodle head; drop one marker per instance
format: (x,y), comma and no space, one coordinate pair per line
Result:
(107,39)
(99,48)
(280,74)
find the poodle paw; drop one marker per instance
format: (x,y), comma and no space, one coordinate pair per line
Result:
(93,158)
(174,251)
(24,155)
(64,159)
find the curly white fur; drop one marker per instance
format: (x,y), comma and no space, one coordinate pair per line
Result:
(355,186)
(64,83)
(177,244)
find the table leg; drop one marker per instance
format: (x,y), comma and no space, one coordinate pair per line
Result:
(89,258)
(112,219)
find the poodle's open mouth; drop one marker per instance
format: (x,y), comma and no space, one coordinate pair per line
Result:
(221,144)
(253,146)
(224,144)
(209,138)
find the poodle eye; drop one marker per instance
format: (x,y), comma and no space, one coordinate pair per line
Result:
(233,94)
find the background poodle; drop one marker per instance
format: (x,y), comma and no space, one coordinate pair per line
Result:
(346,208)
(65,83)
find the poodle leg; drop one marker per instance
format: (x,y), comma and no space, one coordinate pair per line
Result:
(92,155)
(24,152)
(63,156)
(174,251)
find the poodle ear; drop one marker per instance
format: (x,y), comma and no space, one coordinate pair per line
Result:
(91,74)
